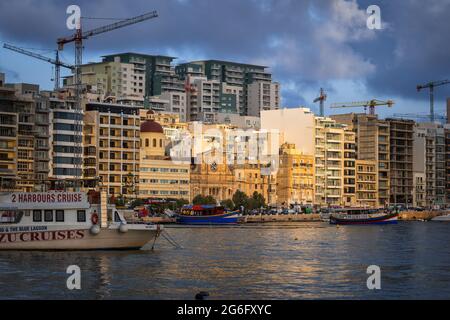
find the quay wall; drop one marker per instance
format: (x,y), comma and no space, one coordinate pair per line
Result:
(420,215)
(283,218)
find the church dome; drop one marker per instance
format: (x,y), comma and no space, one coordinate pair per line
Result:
(151,126)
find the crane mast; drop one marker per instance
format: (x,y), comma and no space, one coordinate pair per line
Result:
(322,98)
(431,86)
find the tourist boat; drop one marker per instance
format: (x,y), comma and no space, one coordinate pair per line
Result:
(444,218)
(59,220)
(359,216)
(208,215)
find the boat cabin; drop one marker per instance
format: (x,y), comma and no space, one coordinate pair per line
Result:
(202,210)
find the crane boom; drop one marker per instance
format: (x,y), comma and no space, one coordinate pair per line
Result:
(107,28)
(418,116)
(431,86)
(56,62)
(372,104)
(78,38)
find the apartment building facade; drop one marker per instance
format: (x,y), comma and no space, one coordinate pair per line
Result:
(401,161)
(24,134)
(372,143)
(447,162)
(159,74)
(114,80)
(367,183)
(262,96)
(160,177)
(112,146)
(429,163)
(295,177)
(334,163)
(66,139)
(203,99)
(244,85)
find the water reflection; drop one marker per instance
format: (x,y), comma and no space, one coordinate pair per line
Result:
(296,261)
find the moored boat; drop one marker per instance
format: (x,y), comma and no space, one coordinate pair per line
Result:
(61,220)
(208,215)
(444,218)
(358,216)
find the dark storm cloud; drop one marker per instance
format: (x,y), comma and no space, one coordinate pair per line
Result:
(307,43)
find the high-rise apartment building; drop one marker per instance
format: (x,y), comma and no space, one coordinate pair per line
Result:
(372,143)
(170,102)
(24,152)
(158,73)
(247,89)
(401,161)
(66,142)
(334,154)
(114,80)
(203,99)
(262,96)
(429,156)
(111,147)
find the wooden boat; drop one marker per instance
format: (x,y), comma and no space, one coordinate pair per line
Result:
(359,216)
(208,215)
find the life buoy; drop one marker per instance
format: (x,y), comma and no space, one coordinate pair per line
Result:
(94,219)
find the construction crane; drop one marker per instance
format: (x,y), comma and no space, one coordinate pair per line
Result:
(322,98)
(372,104)
(56,62)
(431,86)
(420,117)
(78,38)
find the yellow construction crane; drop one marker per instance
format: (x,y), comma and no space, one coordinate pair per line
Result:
(372,104)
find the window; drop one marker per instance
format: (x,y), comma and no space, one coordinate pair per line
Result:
(147,143)
(37,216)
(81,216)
(59,215)
(10,216)
(154,143)
(48,216)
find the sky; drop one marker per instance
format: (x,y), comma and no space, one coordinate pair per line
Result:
(307,44)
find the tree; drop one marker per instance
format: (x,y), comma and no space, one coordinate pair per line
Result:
(199,199)
(136,203)
(180,203)
(240,199)
(228,204)
(256,201)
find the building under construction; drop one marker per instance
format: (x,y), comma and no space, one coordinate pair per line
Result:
(401,160)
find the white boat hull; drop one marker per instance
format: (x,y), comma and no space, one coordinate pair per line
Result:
(445,218)
(107,239)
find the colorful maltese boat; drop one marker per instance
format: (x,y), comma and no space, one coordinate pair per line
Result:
(60,220)
(208,215)
(359,216)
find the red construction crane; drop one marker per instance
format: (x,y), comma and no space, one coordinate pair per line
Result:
(78,38)
(322,98)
